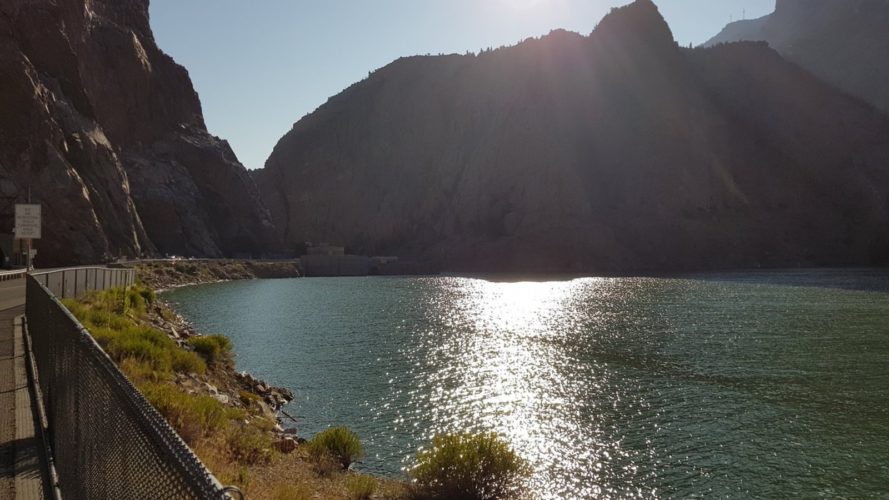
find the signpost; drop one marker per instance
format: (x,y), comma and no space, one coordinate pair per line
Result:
(27,226)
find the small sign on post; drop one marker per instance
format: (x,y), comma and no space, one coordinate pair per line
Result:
(27,222)
(27,227)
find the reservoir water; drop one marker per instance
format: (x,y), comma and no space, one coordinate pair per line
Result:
(772,384)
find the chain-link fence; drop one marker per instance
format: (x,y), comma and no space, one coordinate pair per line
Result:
(107,440)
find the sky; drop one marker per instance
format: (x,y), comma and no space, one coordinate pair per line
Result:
(261,65)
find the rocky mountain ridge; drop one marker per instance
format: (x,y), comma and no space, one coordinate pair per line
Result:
(613,152)
(843,42)
(106,132)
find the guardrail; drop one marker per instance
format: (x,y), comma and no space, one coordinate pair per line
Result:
(12,275)
(107,440)
(75,281)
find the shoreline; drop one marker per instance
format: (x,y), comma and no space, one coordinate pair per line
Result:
(167,275)
(238,388)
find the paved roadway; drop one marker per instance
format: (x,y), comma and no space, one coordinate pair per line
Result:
(12,294)
(21,472)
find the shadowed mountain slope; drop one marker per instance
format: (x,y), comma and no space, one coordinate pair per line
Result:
(107,132)
(844,42)
(614,152)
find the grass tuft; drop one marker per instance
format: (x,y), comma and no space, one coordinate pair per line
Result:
(248,444)
(361,487)
(192,416)
(216,349)
(471,467)
(340,443)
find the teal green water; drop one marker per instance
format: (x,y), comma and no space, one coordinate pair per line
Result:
(767,385)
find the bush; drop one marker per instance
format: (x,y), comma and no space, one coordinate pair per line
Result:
(470,466)
(339,442)
(249,445)
(134,301)
(188,362)
(138,372)
(148,294)
(214,348)
(147,345)
(191,416)
(361,487)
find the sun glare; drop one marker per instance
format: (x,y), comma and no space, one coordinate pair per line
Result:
(522,4)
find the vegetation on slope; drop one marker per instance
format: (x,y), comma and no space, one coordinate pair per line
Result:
(192,383)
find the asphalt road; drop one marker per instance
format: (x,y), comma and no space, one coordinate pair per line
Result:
(12,294)
(12,301)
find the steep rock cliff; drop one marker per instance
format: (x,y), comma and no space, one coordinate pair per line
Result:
(844,42)
(107,132)
(613,152)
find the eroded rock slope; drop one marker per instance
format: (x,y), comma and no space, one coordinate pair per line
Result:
(618,151)
(107,133)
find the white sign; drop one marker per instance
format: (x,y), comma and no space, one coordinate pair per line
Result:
(27,222)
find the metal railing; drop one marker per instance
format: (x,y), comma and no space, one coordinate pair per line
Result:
(13,274)
(75,281)
(107,440)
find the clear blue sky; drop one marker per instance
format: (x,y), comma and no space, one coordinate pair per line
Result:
(260,65)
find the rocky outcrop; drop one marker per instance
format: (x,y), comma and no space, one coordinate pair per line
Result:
(107,132)
(843,42)
(614,152)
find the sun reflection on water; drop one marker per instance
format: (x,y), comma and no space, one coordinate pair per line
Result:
(610,388)
(507,374)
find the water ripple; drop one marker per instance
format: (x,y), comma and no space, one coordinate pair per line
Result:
(723,385)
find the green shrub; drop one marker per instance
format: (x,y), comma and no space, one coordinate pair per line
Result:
(134,301)
(339,442)
(139,372)
(471,467)
(188,362)
(148,294)
(249,445)
(214,348)
(360,487)
(191,416)
(144,344)
(106,319)
(77,308)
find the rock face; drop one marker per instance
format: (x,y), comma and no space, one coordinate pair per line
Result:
(613,152)
(107,132)
(844,42)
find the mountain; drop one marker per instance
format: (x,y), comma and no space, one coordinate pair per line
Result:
(106,132)
(618,151)
(845,42)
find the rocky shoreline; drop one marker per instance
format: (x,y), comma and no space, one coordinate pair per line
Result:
(167,274)
(278,462)
(230,387)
